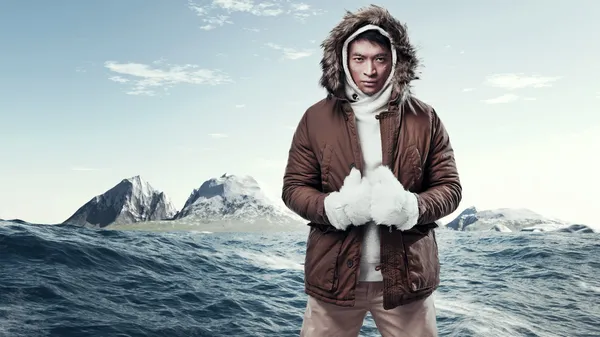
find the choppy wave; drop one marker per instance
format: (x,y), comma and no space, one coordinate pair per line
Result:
(70,281)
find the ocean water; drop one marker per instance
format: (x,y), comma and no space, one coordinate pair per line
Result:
(68,281)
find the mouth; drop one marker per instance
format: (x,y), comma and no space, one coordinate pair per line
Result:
(369,82)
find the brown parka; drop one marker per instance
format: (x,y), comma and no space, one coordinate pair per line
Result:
(325,147)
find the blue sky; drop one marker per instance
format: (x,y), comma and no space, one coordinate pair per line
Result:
(179,92)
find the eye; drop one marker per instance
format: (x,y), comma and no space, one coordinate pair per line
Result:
(358,59)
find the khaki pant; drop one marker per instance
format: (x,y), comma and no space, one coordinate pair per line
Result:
(417,319)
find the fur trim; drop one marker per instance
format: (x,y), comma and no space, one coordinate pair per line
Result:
(333,78)
(391,204)
(349,206)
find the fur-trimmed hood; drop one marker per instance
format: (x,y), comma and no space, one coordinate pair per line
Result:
(333,77)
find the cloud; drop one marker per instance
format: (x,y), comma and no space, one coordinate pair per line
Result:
(248,6)
(301,11)
(468,89)
(215,21)
(508,98)
(239,106)
(291,53)
(146,79)
(118,79)
(211,22)
(218,135)
(218,12)
(520,81)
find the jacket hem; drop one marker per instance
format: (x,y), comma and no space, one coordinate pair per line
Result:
(328,299)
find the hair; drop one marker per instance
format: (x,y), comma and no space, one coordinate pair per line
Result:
(374,36)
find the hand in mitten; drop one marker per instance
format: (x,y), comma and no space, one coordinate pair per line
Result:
(391,204)
(350,205)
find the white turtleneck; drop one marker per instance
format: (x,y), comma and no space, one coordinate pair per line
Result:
(366,108)
(370,140)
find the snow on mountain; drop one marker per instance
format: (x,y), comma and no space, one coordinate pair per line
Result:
(503,220)
(234,199)
(130,201)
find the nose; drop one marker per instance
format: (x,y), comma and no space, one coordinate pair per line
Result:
(370,69)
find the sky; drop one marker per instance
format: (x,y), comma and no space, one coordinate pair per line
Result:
(178,92)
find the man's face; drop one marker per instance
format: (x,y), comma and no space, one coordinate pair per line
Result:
(370,65)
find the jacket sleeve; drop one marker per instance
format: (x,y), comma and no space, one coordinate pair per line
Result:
(301,191)
(444,191)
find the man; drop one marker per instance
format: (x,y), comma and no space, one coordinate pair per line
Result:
(372,169)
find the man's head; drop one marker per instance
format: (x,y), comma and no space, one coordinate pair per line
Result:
(370,61)
(376,22)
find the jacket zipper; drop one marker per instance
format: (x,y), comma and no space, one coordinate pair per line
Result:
(380,119)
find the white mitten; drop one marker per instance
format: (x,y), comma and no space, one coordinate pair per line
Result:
(351,205)
(391,204)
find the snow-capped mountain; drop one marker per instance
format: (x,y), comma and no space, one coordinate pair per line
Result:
(132,200)
(503,220)
(235,199)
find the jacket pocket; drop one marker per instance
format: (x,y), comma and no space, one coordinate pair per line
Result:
(411,167)
(320,263)
(421,259)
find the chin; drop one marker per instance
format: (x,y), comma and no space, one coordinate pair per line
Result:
(370,90)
